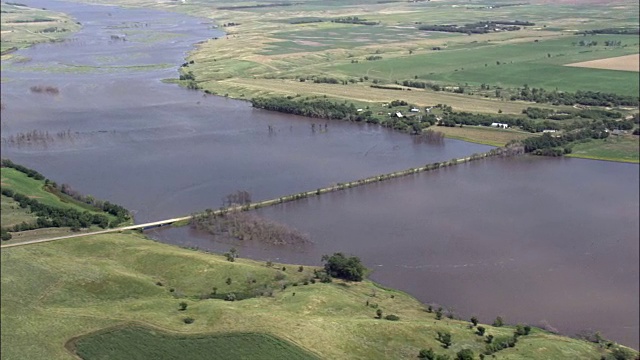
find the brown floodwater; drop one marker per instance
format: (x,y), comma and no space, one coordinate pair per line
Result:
(535,240)
(549,242)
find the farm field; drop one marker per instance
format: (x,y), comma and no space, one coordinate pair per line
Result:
(22,26)
(482,135)
(625,148)
(623,63)
(91,284)
(146,343)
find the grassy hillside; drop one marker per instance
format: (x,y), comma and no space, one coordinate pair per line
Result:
(82,286)
(38,190)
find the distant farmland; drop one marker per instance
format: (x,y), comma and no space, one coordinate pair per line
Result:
(624,63)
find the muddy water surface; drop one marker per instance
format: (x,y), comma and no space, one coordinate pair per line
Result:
(534,240)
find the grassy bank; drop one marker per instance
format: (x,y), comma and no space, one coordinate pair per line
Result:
(86,285)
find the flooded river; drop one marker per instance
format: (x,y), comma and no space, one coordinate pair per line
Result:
(544,241)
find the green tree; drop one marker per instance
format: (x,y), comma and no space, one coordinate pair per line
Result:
(182,306)
(340,266)
(379,313)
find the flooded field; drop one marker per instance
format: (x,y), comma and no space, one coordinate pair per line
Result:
(551,242)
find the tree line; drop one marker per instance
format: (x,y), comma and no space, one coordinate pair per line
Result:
(50,216)
(354,20)
(589,98)
(612,31)
(481,27)
(121,213)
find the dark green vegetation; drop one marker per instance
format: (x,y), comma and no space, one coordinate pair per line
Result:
(146,343)
(482,27)
(342,267)
(45,204)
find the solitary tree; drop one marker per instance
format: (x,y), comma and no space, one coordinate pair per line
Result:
(182,306)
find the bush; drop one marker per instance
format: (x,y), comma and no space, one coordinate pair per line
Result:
(498,322)
(379,314)
(188,320)
(480,331)
(445,339)
(428,354)
(230,297)
(464,354)
(474,321)
(392,317)
(183,306)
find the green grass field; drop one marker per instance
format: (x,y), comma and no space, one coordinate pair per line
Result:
(134,342)
(81,286)
(624,148)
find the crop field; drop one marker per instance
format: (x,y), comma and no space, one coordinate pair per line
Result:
(538,64)
(89,285)
(623,63)
(482,135)
(146,343)
(625,148)
(364,93)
